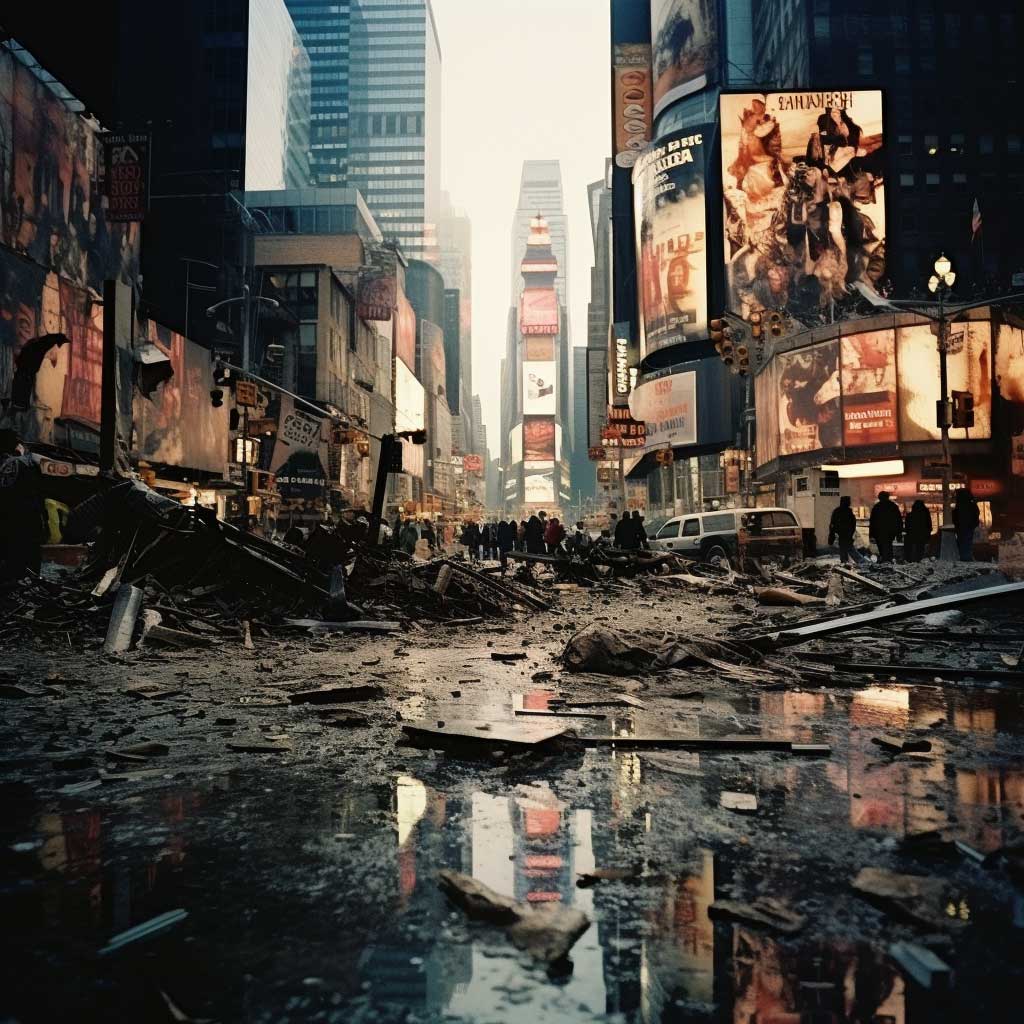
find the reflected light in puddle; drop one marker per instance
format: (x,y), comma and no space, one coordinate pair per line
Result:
(890,704)
(411,797)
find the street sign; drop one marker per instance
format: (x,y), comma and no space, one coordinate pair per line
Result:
(247,394)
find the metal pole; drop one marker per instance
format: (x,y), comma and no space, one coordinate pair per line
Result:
(108,379)
(947,514)
(748,454)
(387,444)
(245,409)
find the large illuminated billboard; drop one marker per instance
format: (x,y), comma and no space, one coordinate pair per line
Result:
(671,249)
(539,439)
(809,399)
(684,48)
(668,406)
(539,482)
(803,195)
(868,362)
(538,388)
(538,311)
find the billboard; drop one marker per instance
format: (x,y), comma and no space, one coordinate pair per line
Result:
(432,360)
(969,365)
(538,311)
(515,443)
(472,464)
(633,106)
(809,399)
(126,184)
(623,366)
(766,405)
(668,407)
(868,362)
(409,399)
(671,252)
(538,388)
(539,439)
(378,294)
(539,348)
(1010,364)
(538,482)
(300,453)
(684,48)
(405,332)
(803,197)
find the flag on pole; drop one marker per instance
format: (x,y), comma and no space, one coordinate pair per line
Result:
(975,220)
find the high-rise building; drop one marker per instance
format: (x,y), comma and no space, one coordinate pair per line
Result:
(540,191)
(394,142)
(325,28)
(454,235)
(582,472)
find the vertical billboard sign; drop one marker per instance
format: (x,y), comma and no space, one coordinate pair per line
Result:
(126,171)
(808,399)
(969,364)
(633,111)
(405,332)
(538,311)
(803,197)
(622,365)
(868,363)
(538,389)
(671,251)
(684,48)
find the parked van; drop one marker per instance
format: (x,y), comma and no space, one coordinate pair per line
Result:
(717,537)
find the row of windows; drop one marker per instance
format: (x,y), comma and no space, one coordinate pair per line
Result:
(326,49)
(933,182)
(956,144)
(858,26)
(311,220)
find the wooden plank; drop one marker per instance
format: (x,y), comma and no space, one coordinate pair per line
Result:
(856,577)
(671,741)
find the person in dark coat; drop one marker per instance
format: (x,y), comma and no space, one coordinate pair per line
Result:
(966,517)
(842,527)
(521,535)
(554,534)
(471,539)
(427,533)
(408,537)
(534,537)
(506,541)
(918,532)
(623,534)
(21,511)
(486,540)
(639,533)
(885,526)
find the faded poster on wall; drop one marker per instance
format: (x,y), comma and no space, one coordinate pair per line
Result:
(809,399)
(869,388)
(684,48)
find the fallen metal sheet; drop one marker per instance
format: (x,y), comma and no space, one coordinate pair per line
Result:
(864,581)
(319,626)
(704,743)
(931,671)
(799,634)
(466,732)
(556,712)
(147,930)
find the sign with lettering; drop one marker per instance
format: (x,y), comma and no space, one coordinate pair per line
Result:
(126,168)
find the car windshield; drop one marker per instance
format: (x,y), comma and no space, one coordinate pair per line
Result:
(652,526)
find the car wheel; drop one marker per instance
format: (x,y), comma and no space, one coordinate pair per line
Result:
(717,556)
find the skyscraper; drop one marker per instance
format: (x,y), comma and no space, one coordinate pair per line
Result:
(540,191)
(454,235)
(325,28)
(394,144)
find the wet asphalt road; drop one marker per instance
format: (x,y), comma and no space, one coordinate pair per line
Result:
(309,875)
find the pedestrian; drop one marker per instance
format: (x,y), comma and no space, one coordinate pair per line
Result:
(966,516)
(534,535)
(842,527)
(506,541)
(294,536)
(623,534)
(581,541)
(427,533)
(521,535)
(885,526)
(22,511)
(639,533)
(554,534)
(408,537)
(918,532)
(396,532)
(471,538)
(486,540)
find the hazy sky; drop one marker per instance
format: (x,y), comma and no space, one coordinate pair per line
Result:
(523,80)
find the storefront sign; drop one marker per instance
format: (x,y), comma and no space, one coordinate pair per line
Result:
(126,184)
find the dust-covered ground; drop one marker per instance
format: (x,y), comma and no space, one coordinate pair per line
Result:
(308,871)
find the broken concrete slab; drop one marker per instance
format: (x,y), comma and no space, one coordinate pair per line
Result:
(337,695)
(468,734)
(546,931)
(769,914)
(123,616)
(343,718)
(901,745)
(915,898)
(741,803)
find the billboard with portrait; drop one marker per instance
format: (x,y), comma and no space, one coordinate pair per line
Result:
(538,438)
(969,365)
(869,388)
(538,388)
(1010,364)
(538,311)
(803,195)
(684,48)
(405,332)
(671,251)
(668,406)
(538,482)
(808,399)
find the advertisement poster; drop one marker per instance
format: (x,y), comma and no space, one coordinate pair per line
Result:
(1010,364)
(432,357)
(409,399)
(869,388)
(803,195)
(668,195)
(539,481)
(539,439)
(538,311)
(539,348)
(969,365)
(622,430)
(684,48)
(766,404)
(405,332)
(126,182)
(300,453)
(538,389)
(378,294)
(668,407)
(808,399)
(515,443)
(472,464)
(622,369)
(633,112)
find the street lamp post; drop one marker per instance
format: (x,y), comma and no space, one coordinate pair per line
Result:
(939,285)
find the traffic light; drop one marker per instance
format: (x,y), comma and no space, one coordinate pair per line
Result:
(721,335)
(776,324)
(963,409)
(756,328)
(216,398)
(742,354)
(395,465)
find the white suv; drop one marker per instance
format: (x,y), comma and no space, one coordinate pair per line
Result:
(717,536)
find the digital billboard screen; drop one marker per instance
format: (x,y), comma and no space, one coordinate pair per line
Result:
(539,439)
(632,108)
(684,48)
(869,388)
(539,348)
(1010,364)
(409,399)
(671,250)
(538,311)
(803,195)
(808,399)
(668,406)
(539,482)
(405,332)
(969,365)
(538,388)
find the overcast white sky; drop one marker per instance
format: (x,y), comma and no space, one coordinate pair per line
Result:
(523,80)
